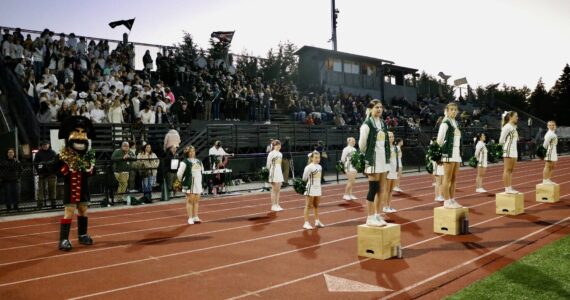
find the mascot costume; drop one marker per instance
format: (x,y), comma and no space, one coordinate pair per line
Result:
(75,164)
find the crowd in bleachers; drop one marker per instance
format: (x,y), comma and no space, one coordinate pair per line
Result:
(69,76)
(64,75)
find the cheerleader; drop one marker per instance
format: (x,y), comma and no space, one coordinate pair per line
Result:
(509,138)
(392,177)
(376,149)
(275,174)
(349,168)
(190,174)
(312,175)
(449,138)
(481,156)
(550,142)
(400,167)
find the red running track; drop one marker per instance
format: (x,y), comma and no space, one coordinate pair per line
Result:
(244,251)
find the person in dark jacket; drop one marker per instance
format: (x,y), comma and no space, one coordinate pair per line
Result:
(170,167)
(11,171)
(184,115)
(44,161)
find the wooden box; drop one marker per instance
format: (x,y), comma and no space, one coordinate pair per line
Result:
(378,242)
(449,220)
(548,193)
(509,204)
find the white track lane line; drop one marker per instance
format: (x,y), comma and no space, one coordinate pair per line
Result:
(270,256)
(257,292)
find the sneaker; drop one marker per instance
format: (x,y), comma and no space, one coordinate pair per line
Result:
(85,239)
(451,204)
(397,189)
(372,221)
(456,203)
(391,210)
(267,123)
(352,197)
(319,224)
(346,197)
(547,181)
(197,220)
(65,245)
(510,190)
(480,190)
(191,221)
(307,225)
(274,208)
(385,209)
(278,207)
(380,220)
(439,198)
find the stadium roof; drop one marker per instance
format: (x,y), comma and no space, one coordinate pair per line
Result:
(379,61)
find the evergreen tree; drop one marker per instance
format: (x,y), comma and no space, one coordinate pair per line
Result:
(560,93)
(540,102)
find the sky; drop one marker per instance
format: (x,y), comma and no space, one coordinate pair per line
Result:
(488,41)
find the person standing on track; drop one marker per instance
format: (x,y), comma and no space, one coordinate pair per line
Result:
(481,156)
(550,142)
(349,169)
(273,164)
(312,175)
(392,174)
(399,166)
(376,149)
(509,138)
(449,138)
(190,174)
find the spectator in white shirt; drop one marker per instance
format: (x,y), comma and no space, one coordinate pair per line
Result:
(97,114)
(136,102)
(115,114)
(147,115)
(50,77)
(72,41)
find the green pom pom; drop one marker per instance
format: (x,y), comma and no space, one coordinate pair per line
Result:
(473,162)
(541,152)
(300,186)
(340,166)
(357,160)
(495,153)
(264,173)
(434,152)
(429,167)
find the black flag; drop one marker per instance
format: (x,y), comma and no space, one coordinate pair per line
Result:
(127,23)
(223,36)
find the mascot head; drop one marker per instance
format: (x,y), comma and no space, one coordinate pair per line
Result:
(77,131)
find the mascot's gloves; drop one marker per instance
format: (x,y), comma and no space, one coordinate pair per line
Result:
(64,169)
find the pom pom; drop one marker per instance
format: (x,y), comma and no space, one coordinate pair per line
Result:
(357,160)
(300,186)
(340,166)
(264,173)
(473,162)
(541,152)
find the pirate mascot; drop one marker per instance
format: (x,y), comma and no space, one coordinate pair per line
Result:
(75,165)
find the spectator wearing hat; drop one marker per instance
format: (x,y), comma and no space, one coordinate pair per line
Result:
(45,162)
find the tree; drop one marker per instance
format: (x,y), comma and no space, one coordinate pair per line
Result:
(540,102)
(187,50)
(560,93)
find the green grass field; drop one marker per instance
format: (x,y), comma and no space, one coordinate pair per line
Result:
(544,274)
